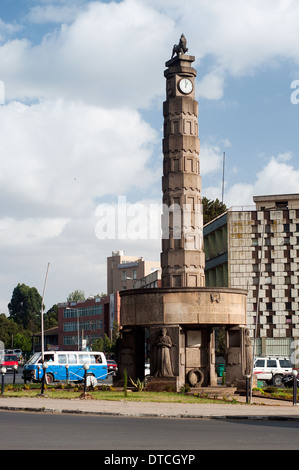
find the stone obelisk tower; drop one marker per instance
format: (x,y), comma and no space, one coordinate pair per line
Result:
(180,316)
(182,257)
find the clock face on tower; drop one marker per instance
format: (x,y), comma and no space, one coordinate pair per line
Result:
(185,85)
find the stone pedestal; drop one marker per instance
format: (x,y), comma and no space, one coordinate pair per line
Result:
(189,316)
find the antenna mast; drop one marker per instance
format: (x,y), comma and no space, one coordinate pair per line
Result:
(223,176)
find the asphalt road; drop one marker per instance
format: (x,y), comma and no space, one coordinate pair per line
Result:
(39,431)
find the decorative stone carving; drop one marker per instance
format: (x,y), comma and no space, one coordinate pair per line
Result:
(164,344)
(180,48)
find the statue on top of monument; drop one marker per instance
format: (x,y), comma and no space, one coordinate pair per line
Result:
(180,48)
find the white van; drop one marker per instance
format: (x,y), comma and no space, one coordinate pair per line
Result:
(271,369)
(66,365)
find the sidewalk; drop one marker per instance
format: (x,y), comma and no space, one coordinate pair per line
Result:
(260,408)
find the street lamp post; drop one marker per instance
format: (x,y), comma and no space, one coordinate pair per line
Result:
(294,373)
(45,366)
(3,372)
(86,367)
(42,315)
(15,368)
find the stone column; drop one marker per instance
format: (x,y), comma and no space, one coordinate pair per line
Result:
(182,257)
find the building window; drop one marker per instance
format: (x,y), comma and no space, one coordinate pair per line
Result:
(286,227)
(281,205)
(176,281)
(123,275)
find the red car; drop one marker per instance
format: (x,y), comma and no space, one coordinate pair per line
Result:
(9,361)
(112,366)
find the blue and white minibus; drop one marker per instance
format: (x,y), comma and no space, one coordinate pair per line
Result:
(65,365)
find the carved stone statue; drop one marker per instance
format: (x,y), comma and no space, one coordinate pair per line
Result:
(180,48)
(164,344)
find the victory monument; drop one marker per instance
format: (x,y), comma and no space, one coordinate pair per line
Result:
(180,317)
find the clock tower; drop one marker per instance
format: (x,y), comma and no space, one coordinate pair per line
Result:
(182,257)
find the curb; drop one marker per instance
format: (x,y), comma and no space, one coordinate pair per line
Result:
(153,415)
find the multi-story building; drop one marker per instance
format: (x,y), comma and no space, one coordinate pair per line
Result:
(258,250)
(81,323)
(124,271)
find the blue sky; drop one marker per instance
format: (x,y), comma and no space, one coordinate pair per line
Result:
(81,121)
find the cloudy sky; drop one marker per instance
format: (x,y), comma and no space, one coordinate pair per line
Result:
(81,93)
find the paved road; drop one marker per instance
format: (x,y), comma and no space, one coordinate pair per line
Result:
(22,430)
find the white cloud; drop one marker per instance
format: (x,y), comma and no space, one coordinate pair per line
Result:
(8,29)
(57,155)
(276,177)
(237,37)
(54,13)
(57,158)
(111,54)
(29,231)
(80,136)
(211,158)
(211,86)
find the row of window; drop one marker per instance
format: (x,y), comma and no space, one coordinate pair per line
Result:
(83,325)
(73,340)
(125,276)
(74,359)
(270,318)
(268,228)
(267,241)
(268,280)
(83,311)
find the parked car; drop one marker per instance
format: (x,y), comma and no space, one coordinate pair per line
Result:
(112,366)
(272,369)
(17,352)
(9,361)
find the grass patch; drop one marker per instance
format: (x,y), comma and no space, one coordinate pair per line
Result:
(107,393)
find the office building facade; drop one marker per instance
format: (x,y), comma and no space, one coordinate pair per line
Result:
(258,250)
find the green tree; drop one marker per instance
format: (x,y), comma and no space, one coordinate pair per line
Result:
(25,307)
(212,209)
(76,295)
(51,318)
(23,341)
(13,334)
(105,344)
(8,329)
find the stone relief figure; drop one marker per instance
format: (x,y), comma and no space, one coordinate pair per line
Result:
(180,48)
(248,353)
(164,344)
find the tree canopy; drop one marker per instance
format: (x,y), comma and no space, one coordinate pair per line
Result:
(76,295)
(212,209)
(25,307)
